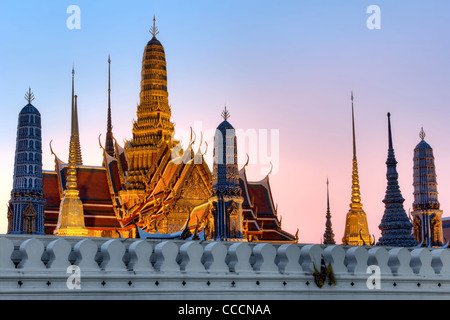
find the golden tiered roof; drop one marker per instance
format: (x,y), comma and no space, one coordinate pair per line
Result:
(153,113)
(153,125)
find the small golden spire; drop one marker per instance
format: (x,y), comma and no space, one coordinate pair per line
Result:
(154,30)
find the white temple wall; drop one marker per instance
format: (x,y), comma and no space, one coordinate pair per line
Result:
(48,267)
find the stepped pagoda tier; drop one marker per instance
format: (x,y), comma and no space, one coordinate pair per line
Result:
(427,216)
(153,125)
(356,227)
(396,229)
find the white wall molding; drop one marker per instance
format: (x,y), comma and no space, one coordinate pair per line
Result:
(36,267)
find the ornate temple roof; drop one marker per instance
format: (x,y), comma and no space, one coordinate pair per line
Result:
(139,187)
(260,213)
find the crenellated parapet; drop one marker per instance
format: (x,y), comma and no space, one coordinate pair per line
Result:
(36,267)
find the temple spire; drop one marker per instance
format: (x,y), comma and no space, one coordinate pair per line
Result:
(353,129)
(328,195)
(226,193)
(109,144)
(71,214)
(154,29)
(74,145)
(225,114)
(356,227)
(29,96)
(356,196)
(427,216)
(153,128)
(26,206)
(396,229)
(328,236)
(72,118)
(422,134)
(389,131)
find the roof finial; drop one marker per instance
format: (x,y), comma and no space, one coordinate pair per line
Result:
(328,236)
(109,144)
(328,195)
(389,131)
(422,134)
(353,129)
(74,145)
(154,30)
(29,96)
(225,113)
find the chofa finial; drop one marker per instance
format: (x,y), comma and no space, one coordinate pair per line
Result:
(422,134)
(154,30)
(389,131)
(225,113)
(29,96)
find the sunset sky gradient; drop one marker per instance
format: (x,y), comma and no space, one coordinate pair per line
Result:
(287,66)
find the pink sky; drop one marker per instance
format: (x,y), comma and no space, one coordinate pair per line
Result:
(286,66)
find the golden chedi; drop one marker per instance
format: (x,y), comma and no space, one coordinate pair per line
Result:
(71,217)
(356,227)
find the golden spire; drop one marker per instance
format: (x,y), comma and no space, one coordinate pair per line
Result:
(71,216)
(109,144)
(154,30)
(356,227)
(153,123)
(74,131)
(153,127)
(356,196)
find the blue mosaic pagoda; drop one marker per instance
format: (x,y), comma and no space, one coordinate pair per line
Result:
(26,206)
(396,229)
(427,216)
(226,197)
